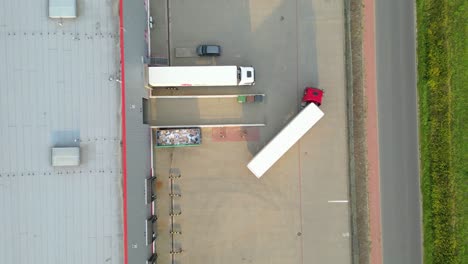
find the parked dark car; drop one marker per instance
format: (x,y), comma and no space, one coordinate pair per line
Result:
(209,50)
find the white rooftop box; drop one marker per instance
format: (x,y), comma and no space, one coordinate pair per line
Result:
(62,8)
(65,156)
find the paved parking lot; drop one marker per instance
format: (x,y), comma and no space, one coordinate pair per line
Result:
(296,213)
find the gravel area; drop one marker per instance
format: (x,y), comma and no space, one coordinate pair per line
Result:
(358,147)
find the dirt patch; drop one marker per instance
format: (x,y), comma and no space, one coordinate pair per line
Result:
(159,185)
(358,147)
(233,134)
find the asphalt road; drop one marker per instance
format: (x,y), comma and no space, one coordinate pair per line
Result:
(398,137)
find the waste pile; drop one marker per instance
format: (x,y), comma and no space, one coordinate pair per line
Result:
(178,137)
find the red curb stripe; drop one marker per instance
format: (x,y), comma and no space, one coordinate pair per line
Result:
(370,83)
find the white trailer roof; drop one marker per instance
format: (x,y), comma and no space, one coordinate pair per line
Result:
(192,76)
(285,139)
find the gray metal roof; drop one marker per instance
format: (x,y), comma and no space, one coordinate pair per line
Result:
(58,88)
(62,8)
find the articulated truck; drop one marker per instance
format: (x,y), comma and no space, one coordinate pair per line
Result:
(180,76)
(290,134)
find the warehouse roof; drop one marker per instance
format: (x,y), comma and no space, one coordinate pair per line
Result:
(58,89)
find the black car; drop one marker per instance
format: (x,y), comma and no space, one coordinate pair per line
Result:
(209,50)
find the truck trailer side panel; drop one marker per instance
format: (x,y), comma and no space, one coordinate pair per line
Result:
(285,139)
(176,76)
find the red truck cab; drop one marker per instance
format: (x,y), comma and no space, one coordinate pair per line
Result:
(312,95)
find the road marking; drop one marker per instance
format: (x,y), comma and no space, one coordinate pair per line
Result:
(338,201)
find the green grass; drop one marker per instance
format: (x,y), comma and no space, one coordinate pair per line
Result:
(443,111)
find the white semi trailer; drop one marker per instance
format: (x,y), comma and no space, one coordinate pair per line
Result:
(285,139)
(179,76)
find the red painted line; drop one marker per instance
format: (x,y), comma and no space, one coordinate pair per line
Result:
(124,133)
(370,83)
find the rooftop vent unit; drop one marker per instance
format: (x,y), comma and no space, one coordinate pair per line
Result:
(62,8)
(65,156)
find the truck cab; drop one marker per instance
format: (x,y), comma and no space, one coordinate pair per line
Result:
(311,95)
(246,75)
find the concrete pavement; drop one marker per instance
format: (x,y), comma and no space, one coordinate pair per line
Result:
(291,214)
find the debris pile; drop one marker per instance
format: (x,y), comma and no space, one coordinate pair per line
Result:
(178,137)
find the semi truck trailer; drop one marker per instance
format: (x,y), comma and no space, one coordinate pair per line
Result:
(180,76)
(290,134)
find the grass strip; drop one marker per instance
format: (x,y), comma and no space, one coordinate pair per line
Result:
(443,110)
